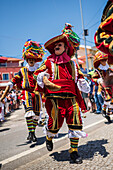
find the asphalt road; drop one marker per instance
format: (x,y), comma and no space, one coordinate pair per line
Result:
(17,153)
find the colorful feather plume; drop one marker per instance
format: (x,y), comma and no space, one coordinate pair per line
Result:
(72,36)
(32,49)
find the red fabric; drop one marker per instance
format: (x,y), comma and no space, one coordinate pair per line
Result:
(67,86)
(19,81)
(65,110)
(63,58)
(64,80)
(23,94)
(0,109)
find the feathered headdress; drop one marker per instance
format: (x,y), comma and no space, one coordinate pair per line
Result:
(71,35)
(70,38)
(98,57)
(32,49)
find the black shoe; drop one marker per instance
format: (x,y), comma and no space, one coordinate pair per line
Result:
(49,145)
(93,111)
(75,157)
(28,138)
(34,138)
(97,113)
(103,113)
(108,118)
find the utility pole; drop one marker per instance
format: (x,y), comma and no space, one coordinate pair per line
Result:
(76,55)
(87,65)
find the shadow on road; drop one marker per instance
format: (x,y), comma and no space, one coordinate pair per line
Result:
(40,141)
(86,151)
(107,123)
(43,139)
(5,129)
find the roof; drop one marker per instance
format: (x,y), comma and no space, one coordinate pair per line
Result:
(84,57)
(11,59)
(3,59)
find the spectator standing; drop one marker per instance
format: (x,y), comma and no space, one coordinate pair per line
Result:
(1,109)
(91,95)
(8,104)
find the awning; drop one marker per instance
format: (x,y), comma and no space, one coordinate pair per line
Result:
(3,60)
(3,84)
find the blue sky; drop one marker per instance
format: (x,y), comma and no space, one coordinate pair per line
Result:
(41,20)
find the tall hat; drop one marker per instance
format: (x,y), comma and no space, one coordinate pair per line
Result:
(71,35)
(34,50)
(98,57)
(70,38)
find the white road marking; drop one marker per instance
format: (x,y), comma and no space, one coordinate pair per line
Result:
(5,161)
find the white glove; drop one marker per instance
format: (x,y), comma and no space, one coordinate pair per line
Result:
(40,78)
(10,85)
(100,80)
(83,86)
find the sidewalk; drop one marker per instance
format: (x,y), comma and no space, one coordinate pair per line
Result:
(96,151)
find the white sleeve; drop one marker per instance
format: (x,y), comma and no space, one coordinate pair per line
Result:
(83,85)
(10,84)
(100,80)
(40,78)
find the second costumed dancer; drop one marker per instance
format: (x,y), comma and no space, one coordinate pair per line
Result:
(32,53)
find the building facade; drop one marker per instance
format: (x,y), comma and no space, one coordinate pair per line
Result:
(8,69)
(81,57)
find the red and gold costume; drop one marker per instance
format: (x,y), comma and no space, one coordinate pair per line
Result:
(66,101)
(104,35)
(65,75)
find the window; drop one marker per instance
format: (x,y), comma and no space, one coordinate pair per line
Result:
(2,64)
(5,76)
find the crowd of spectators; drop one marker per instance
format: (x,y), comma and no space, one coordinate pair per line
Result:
(94,99)
(11,103)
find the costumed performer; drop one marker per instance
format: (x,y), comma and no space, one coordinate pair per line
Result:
(32,53)
(57,78)
(104,34)
(101,77)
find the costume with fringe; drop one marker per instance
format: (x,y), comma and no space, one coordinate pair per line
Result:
(101,77)
(24,81)
(67,101)
(104,34)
